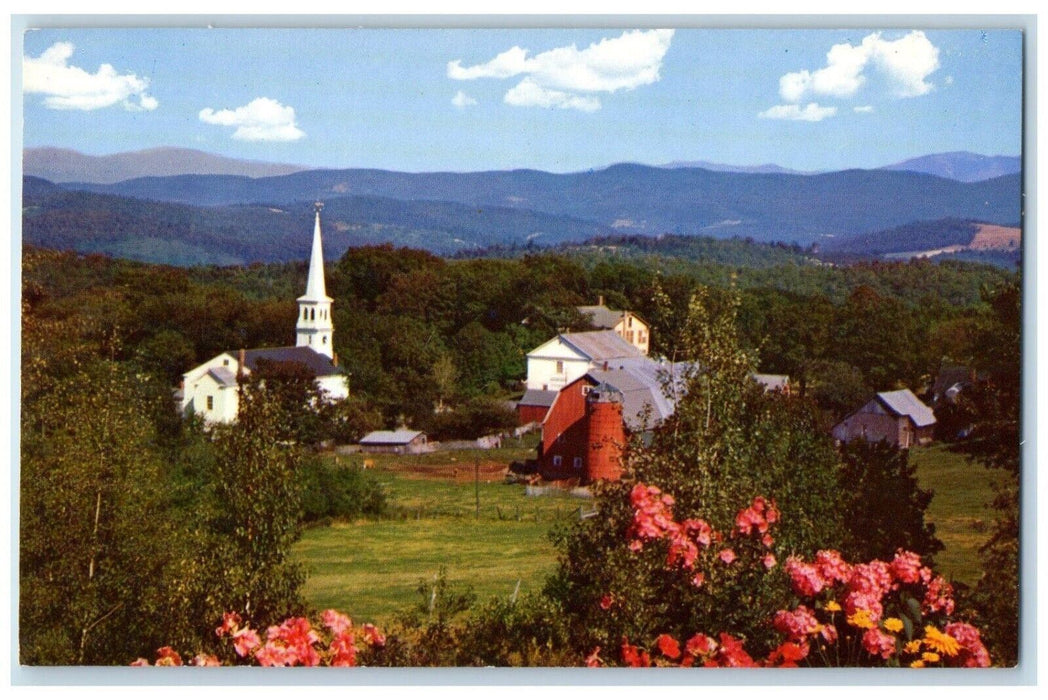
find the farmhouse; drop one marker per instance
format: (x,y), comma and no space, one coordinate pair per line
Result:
(563,359)
(627,324)
(399,442)
(898,417)
(211,390)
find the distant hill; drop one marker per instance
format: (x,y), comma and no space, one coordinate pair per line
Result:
(64,165)
(182,234)
(961,165)
(944,238)
(632,199)
(724,168)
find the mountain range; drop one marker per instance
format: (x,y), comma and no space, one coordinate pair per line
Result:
(235,219)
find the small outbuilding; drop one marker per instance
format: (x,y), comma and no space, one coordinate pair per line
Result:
(399,442)
(898,417)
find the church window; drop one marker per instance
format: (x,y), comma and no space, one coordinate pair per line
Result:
(312,314)
(305,314)
(211,403)
(324,340)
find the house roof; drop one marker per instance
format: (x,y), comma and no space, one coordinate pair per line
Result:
(390,437)
(601,345)
(601,316)
(320,365)
(904,403)
(538,397)
(223,375)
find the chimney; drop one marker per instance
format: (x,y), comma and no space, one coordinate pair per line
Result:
(605,365)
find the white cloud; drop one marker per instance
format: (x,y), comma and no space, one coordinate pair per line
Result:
(528,93)
(906,63)
(864,109)
(262,119)
(462,100)
(809,113)
(69,87)
(566,76)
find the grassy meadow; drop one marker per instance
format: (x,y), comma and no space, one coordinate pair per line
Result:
(372,569)
(960,509)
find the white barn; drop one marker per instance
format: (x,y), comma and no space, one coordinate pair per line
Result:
(211,390)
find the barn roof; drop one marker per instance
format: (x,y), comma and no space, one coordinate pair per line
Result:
(390,437)
(642,383)
(537,397)
(320,365)
(904,403)
(601,345)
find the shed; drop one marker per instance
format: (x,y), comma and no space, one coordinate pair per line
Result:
(898,417)
(401,441)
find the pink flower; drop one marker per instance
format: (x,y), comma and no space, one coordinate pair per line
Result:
(205,660)
(829,634)
(698,530)
(335,621)
(245,641)
(273,653)
(831,567)
(727,556)
(593,660)
(796,624)
(877,642)
(906,567)
(769,561)
(938,597)
(973,653)
(140,662)
(804,578)
(698,579)
(605,601)
(767,540)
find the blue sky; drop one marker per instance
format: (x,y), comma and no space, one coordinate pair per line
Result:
(553,99)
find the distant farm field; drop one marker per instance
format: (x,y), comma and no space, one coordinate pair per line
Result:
(372,569)
(960,509)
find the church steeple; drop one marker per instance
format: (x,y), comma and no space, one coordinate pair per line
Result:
(314,328)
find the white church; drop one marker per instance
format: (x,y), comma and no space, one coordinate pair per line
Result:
(211,390)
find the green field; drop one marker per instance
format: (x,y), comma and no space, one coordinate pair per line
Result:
(372,568)
(960,509)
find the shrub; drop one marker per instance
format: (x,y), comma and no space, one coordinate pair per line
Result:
(338,492)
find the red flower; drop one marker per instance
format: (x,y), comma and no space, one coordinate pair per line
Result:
(973,653)
(166,656)
(343,649)
(606,601)
(877,642)
(632,657)
(787,654)
(906,567)
(372,636)
(593,660)
(205,660)
(700,645)
(698,579)
(230,622)
(668,646)
(732,654)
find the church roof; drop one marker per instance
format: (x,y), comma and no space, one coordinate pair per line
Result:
(315,288)
(320,365)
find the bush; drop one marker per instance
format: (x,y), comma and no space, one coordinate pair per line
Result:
(474,419)
(331,491)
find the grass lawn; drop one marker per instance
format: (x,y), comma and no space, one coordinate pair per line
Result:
(960,508)
(371,569)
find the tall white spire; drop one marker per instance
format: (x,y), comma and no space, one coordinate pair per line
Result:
(315,328)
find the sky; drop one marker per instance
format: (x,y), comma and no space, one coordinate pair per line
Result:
(560,100)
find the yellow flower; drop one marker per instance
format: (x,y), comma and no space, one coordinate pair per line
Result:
(912,647)
(833,606)
(940,641)
(893,624)
(930,656)
(917,664)
(861,619)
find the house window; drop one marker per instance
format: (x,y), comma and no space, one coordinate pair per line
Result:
(586,389)
(225,363)
(577,462)
(557,460)
(211,403)
(630,322)
(560,366)
(629,336)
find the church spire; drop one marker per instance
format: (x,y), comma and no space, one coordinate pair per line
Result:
(314,328)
